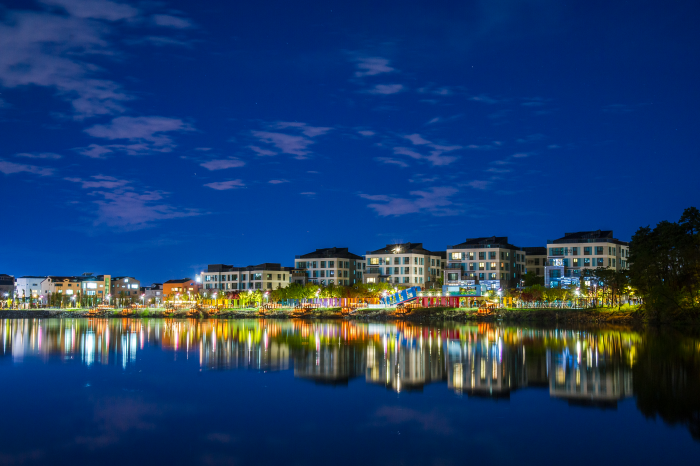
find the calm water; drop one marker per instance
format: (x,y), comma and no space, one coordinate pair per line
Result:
(97,391)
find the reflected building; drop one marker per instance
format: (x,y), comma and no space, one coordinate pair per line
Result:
(408,366)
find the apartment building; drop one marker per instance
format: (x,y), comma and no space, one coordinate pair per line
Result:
(66,286)
(153,294)
(330,266)
(7,286)
(30,287)
(267,276)
(569,256)
(536,260)
(99,286)
(182,286)
(490,261)
(125,287)
(408,264)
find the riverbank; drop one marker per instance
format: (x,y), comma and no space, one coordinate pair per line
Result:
(626,316)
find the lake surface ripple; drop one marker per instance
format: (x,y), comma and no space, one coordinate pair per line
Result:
(152,391)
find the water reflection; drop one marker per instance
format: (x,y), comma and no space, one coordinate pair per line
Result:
(596,368)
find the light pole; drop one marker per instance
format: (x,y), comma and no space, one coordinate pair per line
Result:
(143,300)
(500,293)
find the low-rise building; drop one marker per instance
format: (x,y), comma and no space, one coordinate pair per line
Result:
(98,287)
(153,294)
(267,276)
(330,266)
(183,286)
(490,261)
(408,264)
(30,287)
(125,287)
(536,260)
(7,286)
(568,257)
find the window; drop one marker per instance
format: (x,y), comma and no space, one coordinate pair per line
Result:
(406,280)
(586,262)
(537,261)
(493,266)
(407,270)
(507,265)
(453,276)
(420,270)
(492,276)
(257,276)
(600,262)
(331,264)
(314,263)
(432,262)
(576,264)
(599,250)
(555,273)
(574,251)
(456,255)
(492,254)
(613,262)
(373,261)
(323,273)
(556,251)
(207,278)
(268,276)
(323,264)
(397,260)
(587,251)
(482,256)
(503,256)
(258,285)
(482,265)
(472,266)
(481,276)
(421,261)
(415,261)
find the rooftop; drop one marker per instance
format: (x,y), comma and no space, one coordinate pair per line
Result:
(595,236)
(403,248)
(213,268)
(484,242)
(179,280)
(536,251)
(341,253)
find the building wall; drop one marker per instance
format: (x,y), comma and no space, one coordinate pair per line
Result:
(536,264)
(245,280)
(566,262)
(494,267)
(408,269)
(336,270)
(128,285)
(191,287)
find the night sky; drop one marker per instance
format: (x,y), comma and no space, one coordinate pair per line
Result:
(152,138)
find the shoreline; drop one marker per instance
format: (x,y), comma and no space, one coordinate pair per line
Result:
(417,315)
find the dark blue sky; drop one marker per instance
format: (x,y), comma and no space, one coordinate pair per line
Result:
(152,138)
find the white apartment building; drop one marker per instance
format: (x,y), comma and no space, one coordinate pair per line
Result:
(31,287)
(536,260)
(329,266)
(408,264)
(569,256)
(268,276)
(490,261)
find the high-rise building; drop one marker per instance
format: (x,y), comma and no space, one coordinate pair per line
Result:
(408,264)
(490,261)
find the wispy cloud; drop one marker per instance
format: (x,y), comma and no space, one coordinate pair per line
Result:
(308,193)
(54,48)
(479,184)
(225,185)
(39,155)
(99,181)
(531,138)
(372,66)
(366,133)
(171,21)
(278,181)
(222,164)
(417,139)
(9,168)
(485,99)
(386,89)
(389,160)
(434,201)
(148,133)
(286,143)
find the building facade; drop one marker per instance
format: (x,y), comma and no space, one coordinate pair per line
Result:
(153,294)
(490,261)
(99,287)
(125,288)
(568,257)
(30,287)
(7,286)
(182,286)
(536,260)
(268,276)
(407,264)
(330,266)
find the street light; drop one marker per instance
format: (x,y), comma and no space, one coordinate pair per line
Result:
(500,293)
(143,300)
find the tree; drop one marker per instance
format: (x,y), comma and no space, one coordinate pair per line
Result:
(530,279)
(665,263)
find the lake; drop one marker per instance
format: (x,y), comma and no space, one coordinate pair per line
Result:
(298,392)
